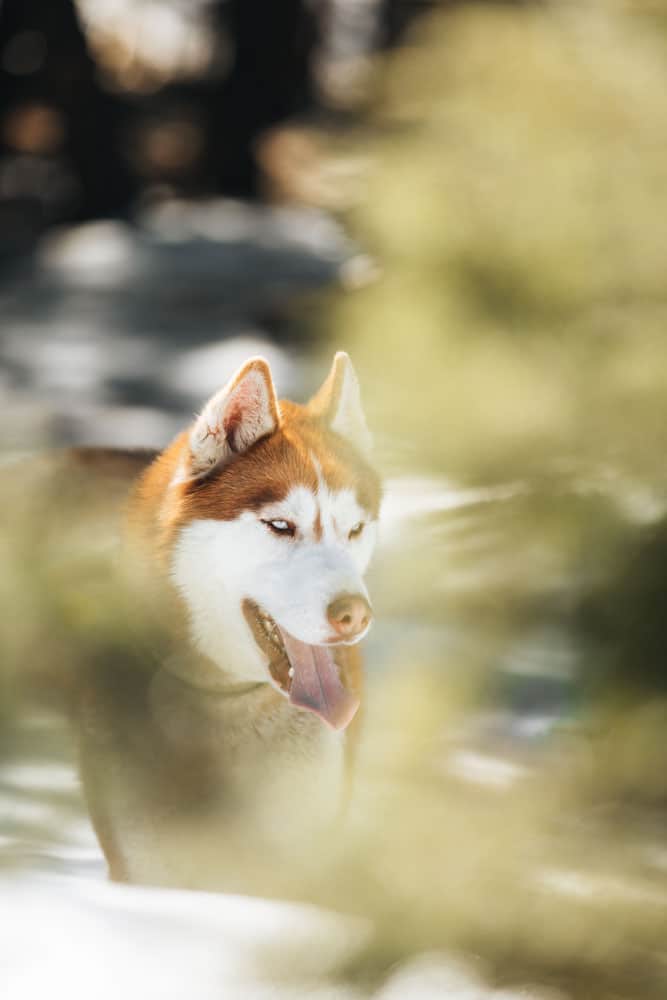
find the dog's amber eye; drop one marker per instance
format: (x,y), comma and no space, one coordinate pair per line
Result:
(280,527)
(356,531)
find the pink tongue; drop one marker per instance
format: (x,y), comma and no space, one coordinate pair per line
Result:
(316,684)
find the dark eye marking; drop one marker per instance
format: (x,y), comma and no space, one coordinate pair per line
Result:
(356,530)
(281,527)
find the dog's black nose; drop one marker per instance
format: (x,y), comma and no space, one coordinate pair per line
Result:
(350,615)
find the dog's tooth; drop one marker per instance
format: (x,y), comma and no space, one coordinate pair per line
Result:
(290,672)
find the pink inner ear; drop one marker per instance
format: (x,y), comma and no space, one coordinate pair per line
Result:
(232,425)
(245,414)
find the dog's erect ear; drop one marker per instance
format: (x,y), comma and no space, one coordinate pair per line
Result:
(241,413)
(338,402)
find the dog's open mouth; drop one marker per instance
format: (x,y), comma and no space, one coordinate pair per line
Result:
(307,675)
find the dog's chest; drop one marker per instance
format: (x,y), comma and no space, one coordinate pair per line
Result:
(211,791)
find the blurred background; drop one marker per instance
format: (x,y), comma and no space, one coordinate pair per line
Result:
(470,199)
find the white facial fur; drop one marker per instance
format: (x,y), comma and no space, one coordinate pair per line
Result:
(216,564)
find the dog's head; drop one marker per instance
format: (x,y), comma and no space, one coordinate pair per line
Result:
(273,510)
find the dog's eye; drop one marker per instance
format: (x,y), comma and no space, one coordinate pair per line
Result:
(356,530)
(280,527)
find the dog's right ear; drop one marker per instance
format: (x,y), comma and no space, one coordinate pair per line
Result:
(237,416)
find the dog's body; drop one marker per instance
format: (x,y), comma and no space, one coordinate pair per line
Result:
(261,519)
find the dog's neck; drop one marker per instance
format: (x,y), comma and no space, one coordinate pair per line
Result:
(199,672)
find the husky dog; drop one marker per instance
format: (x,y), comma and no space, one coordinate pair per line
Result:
(262,517)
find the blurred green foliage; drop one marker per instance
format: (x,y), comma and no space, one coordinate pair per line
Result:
(517,208)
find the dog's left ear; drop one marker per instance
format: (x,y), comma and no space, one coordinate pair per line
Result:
(241,413)
(338,403)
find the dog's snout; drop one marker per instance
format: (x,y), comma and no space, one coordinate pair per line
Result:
(350,615)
